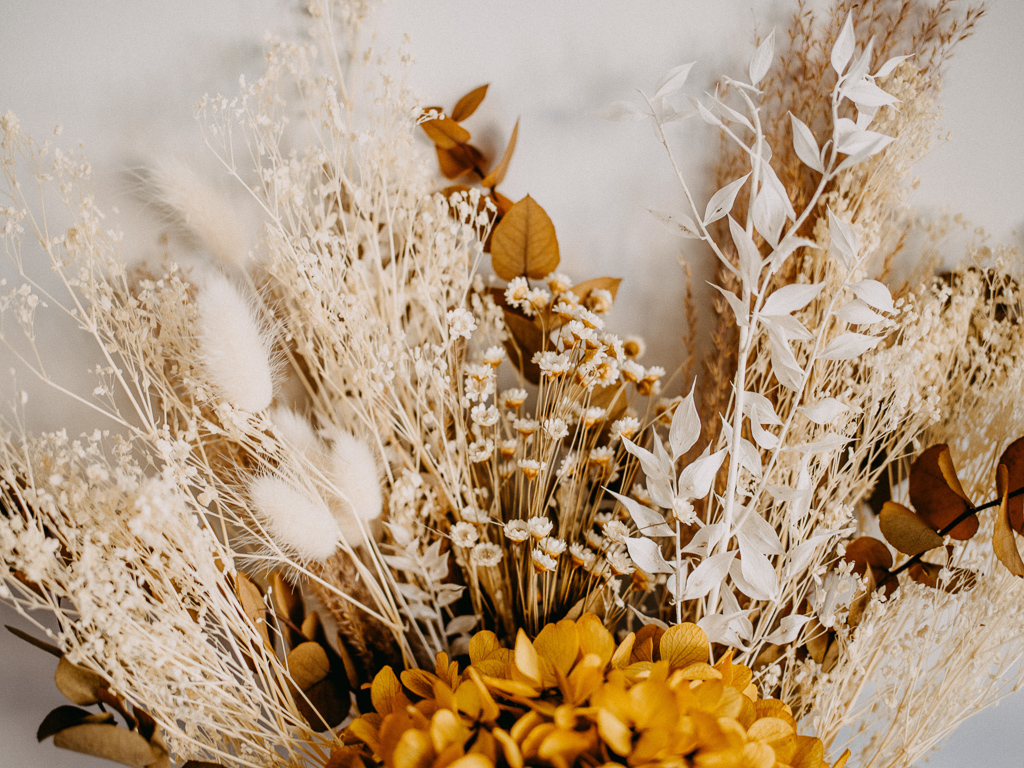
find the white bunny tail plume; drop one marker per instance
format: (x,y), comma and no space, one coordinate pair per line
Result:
(198,210)
(293,429)
(234,351)
(355,473)
(298,522)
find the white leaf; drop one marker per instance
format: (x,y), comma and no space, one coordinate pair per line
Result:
(649,522)
(829,442)
(791,298)
(806,145)
(801,556)
(890,65)
(647,555)
(784,364)
(707,115)
(708,575)
(864,144)
(824,411)
(749,257)
(724,630)
(761,534)
(705,540)
(448,594)
(769,214)
(786,326)
(759,408)
(721,202)
(857,312)
(761,581)
(844,241)
(651,466)
(672,80)
(874,293)
(460,625)
(849,345)
(731,114)
(749,458)
(762,59)
(677,223)
(685,427)
(676,583)
(645,619)
(763,437)
(622,110)
(788,629)
(843,48)
(786,248)
(859,69)
(738,309)
(770,179)
(697,477)
(867,94)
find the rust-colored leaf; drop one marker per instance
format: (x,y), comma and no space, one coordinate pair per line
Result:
(467,105)
(79,685)
(497,175)
(524,242)
(1013,460)
(906,531)
(866,551)
(459,160)
(502,203)
(445,132)
(66,717)
(1004,543)
(934,499)
(928,574)
(526,340)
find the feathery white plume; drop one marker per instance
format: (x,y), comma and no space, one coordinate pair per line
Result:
(198,210)
(297,520)
(354,472)
(233,348)
(293,429)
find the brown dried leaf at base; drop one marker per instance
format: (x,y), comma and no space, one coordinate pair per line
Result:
(1004,542)
(1013,460)
(524,243)
(937,495)
(906,531)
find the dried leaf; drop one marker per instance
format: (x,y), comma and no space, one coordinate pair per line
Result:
(684,644)
(1004,543)
(906,531)
(496,176)
(66,717)
(255,609)
(528,340)
(722,201)
(79,685)
(110,742)
(53,650)
(1013,460)
(647,555)
(386,692)
(583,290)
(648,522)
(524,242)
(865,552)
(933,498)
(762,59)
(842,51)
(844,243)
(445,132)
(459,160)
(467,105)
(806,145)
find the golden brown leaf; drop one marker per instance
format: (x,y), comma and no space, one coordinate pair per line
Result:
(386,692)
(559,644)
(934,497)
(526,340)
(445,132)
(584,289)
(79,685)
(684,644)
(251,600)
(108,741)
(524,242)
(459,160)
(1013,460)
(467,105)
(324,699)
(1004,543)
(907,532)
(497,175)
(865,551)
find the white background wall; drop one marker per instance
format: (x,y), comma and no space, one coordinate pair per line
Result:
(123,76)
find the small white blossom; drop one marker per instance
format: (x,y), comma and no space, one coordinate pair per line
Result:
(461,323)
(517,531)
(539,526)
(486,555)
(464,534)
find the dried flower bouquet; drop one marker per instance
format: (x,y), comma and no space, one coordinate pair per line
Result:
(386,492)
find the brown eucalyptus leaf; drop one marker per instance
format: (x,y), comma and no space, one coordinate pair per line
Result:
(445,132)
(907,532)
(79,685)
(526,339)
(866,551)
(459,160)
(42,645)
(928,574)
(497,175)
(1013,460)
(110,742)
(67,716)
(251,599)
(467,105)
(524,242)
(1004,543)
(325,702)
(308,664)
(933,498)
(611,284)
(288,605)
(502,203)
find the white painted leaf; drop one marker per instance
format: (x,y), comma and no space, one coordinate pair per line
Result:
(721,202)
(806,145)
(770,179)
(676,582)
(677,223)
(843,48)
(707,115)
(697,477)
(761,534)
(705,540)
(874,293)
(672,80)
(763,437)
(647,555)
(769,215)
(724,630)
(791,298)
(750,458)
(827,443)
(708,575)
(786,327)
(890,65)
(738,309)
(784,364)
(685,428)
(858,312)
(788,629)
(845,244)
(761,581)
(849,345)
(868,94)
(659,477)
(461,625)
(785,250)
(749,257)
(622,110)
(759,408)
(864,144)
(731,114)
(762,59)
(801,556)
(823,411)
(648,522)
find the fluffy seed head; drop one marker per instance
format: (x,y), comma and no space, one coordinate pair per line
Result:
(297,520)
(234,350)
(354,471)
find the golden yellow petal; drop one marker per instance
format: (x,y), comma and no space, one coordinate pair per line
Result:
(557,643)
(614,733)
(509,747)
(386,692)
(524,725)
(757,755)
(769,729)
(419,682)
(595,638)
(624,652)
(472,761)
(531,744)
(414,750)
(445,730)
(685,644)
(483,645)
(527,659)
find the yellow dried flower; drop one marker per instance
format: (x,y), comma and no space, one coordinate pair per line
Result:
(572,697)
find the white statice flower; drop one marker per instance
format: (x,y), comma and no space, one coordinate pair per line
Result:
(556,428)
(508,448)
(593,416)
(493,356)
(682,509)
(552,546)
(484,416)
(619,562)
(631,371)
(615,531)
(567,467)
(558,282)
(539,526)
(525,427)
(542,562)
(473,515)
(481,450)
(553,364)
(464,534)
(538,299)
(626,427)
(513,398)
(517,294)
(461,323)
(479,389)
(517,531)
(486,555)
(633,347)
(532,468)
(582,555)
(599,301)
